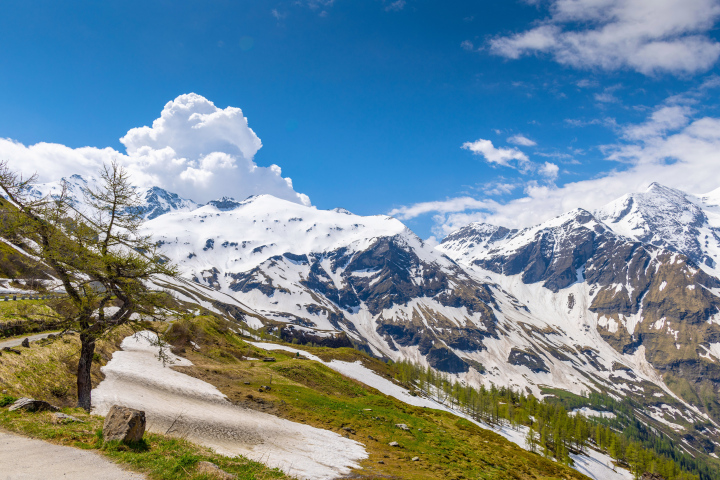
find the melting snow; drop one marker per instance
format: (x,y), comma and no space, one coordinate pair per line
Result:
(198,411)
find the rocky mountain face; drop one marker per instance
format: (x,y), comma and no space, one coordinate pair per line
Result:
(641,275)
(322,276)
(159,202)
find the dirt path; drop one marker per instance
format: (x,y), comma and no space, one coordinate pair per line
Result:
(24,458)
(18,340)
(191,408)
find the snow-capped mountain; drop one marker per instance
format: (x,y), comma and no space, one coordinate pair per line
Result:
(548,306)
(669,218)
(156,201)
(325,272)
(582,302)
(159,202)
(639,292)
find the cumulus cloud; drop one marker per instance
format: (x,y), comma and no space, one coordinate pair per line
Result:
(549,170)
(194,149)
(498,156)
(521,140)
(648,36)
(670,147)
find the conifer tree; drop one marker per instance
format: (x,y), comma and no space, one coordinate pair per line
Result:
(99,256)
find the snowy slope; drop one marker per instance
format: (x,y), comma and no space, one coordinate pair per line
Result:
(669,218)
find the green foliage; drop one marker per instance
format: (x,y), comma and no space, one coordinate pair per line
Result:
(554,433)
(6,400)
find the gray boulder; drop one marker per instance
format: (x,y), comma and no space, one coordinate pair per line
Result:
(124,424)
(32,405)
(26,343)
(60,418)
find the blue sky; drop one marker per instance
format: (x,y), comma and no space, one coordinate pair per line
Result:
(438,112)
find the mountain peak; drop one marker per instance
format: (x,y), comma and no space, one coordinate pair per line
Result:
(225,204)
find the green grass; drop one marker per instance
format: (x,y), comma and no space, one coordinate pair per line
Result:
(157,456)
(311,393)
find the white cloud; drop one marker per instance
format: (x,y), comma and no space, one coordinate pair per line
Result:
(670,148)
(662,120)
(521,140)
(499,156)
(395,6)
(606,97)
(648,36)
(549,170)
(442,206)
(467,45)
(194,149)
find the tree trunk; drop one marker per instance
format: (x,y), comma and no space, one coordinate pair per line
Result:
(84,382)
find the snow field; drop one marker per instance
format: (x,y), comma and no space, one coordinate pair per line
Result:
(182,405)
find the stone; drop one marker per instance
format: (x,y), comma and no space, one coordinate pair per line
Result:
(11,350)
(269,359)
(394,444)
(381,462)
(59,418)
(124,424)
(402,426)
(32,405)
(652,476)
(25,343)
(416,459)
(213,471)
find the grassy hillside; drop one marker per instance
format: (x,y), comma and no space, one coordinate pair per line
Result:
(308,392)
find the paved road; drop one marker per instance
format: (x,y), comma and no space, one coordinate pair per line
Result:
(17,341)
(28,459)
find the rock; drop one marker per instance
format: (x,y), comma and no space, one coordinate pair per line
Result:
(25,343)
(11,350)
(402,426)
(32,405)
(269,359)
(246,383)
(652,476)
(349,430)
(59,418)
(416,459)
(124,424)
(394,444)
(381,462)
(266,388)
(213,471)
